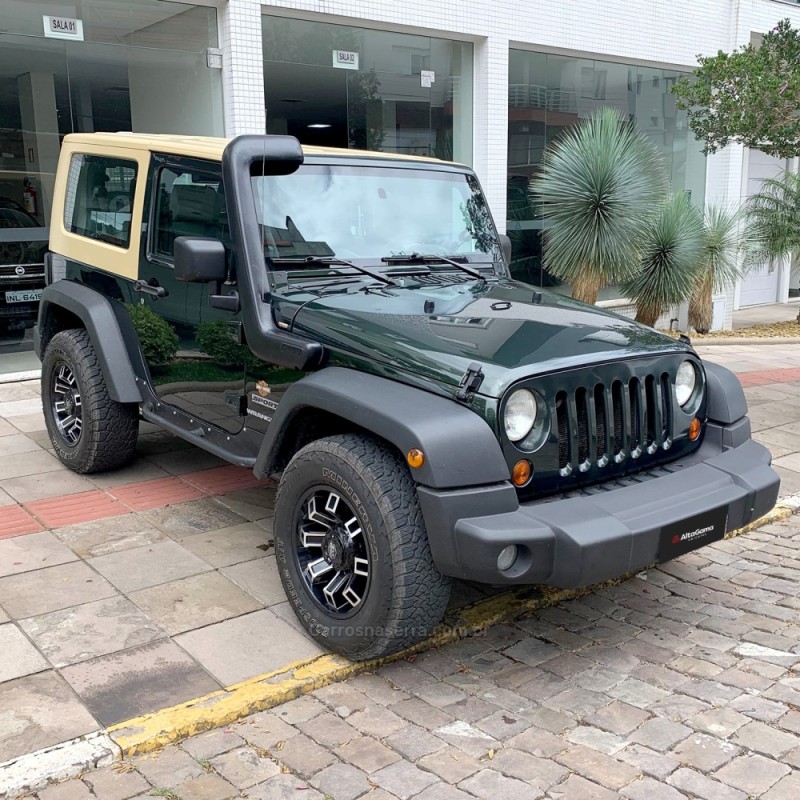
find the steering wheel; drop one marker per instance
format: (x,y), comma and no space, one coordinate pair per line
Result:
(119,203)
(424,248)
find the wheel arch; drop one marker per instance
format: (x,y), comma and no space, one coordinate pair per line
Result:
(305,425)
(460,447)
(67,304)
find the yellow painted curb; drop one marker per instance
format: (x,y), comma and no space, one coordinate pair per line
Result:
(159,728)
(153,731)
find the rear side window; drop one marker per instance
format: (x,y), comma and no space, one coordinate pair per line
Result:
(99,198)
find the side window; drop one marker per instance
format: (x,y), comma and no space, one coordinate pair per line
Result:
(187,203)
(99,198)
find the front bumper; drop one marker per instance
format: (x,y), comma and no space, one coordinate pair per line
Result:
(603,531)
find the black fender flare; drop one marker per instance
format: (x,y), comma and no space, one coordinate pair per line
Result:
(99,317)
(459,446)
(726,400)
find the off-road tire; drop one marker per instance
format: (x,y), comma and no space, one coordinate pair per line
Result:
(108,437)
(406,595)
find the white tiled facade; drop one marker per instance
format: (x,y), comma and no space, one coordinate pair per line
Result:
(242,67)
(668,35)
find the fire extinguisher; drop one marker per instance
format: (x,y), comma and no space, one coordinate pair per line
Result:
(29,197)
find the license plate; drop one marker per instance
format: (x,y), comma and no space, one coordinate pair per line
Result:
(23,296)
(689,534)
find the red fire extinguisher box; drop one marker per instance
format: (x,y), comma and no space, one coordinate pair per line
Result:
(30,199)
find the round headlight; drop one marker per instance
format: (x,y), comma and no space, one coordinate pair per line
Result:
(520,414)
(685,381)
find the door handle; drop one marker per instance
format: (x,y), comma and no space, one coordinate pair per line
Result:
(153,289)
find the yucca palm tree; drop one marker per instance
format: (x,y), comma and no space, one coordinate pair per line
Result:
(599,184)
(773,217)
(721,265)
(671,257)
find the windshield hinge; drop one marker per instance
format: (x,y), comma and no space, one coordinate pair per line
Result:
(470,383)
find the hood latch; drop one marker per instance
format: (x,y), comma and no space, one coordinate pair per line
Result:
(470,383)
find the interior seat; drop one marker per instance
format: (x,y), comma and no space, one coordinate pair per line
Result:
(196,210)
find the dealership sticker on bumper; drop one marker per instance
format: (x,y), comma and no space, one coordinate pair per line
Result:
(689,534)
(21,296)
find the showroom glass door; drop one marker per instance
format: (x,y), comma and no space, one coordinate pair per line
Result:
(34,112)
(341,86)
(389,112)
(142,65)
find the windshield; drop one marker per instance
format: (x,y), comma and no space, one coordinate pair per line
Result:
(349,212)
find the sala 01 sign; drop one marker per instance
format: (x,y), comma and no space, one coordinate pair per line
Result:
(63,28)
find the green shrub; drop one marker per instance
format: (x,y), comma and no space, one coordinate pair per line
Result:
(215,339)
(157,337)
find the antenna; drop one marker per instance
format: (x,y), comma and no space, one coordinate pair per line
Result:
(261,197)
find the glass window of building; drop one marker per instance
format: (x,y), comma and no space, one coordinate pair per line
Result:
(343,86)
(141,65)
(548,93)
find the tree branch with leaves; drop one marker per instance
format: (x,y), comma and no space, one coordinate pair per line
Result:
(750,96)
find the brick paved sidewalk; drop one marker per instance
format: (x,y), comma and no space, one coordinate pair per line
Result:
(140,588)
(679,683)
(771,377)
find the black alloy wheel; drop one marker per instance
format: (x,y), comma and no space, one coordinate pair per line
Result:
(67,409)
(352,550)
(89,430)
(332,554)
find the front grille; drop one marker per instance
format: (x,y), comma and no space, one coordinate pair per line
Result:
(600,417)
(640,422)
(8,272)
(563,428)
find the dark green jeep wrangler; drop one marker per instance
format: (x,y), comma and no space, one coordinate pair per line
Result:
(430,417)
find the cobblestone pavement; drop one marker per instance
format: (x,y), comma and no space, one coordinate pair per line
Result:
(680,682)
(127,592)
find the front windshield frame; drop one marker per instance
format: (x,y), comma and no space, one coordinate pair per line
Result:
(479,243)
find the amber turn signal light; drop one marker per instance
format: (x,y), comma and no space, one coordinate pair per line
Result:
(694,429)
(415,458)
(522,472)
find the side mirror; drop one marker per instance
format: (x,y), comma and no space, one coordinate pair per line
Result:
(505,242)
(199,259)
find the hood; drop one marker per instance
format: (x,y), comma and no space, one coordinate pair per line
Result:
(435,332)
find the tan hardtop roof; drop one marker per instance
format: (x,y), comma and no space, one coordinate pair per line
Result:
(211,147)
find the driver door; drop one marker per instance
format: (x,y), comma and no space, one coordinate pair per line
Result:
(205,378)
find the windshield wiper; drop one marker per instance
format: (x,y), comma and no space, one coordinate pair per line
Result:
(421,258)
(336,262)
